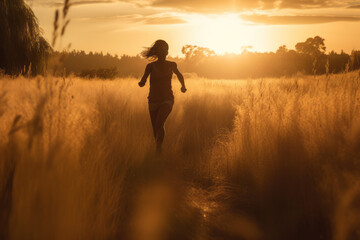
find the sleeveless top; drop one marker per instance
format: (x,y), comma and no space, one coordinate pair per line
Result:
(160,82)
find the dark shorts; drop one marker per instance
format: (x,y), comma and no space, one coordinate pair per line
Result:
(156,105)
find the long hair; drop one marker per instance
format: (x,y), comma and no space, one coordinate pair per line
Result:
(160,47)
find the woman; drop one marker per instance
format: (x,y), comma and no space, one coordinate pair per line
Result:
(161,98)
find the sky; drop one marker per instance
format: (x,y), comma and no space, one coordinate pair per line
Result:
(225,26)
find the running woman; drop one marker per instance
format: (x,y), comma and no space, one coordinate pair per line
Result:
(161,98)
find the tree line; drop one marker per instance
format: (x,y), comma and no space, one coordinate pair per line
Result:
(308,57)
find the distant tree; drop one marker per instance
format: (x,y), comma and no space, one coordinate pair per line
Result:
(196,53)
(282,50)
(312,46)
(246,49)
(355,59)
(337,62)
(21,45)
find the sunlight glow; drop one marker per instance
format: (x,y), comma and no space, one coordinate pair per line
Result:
(120,27)
(225,33)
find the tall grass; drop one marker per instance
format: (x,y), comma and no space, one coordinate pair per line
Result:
(257,159)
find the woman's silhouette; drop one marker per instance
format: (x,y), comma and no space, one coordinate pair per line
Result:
(161,98)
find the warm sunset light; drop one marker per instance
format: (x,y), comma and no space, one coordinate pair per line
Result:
(224,33)
(179,119)
(124,27)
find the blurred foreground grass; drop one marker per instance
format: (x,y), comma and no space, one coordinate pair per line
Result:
(257,159)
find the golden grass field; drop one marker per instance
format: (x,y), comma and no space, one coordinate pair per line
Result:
(243,159)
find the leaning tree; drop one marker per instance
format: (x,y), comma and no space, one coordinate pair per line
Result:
(21,45)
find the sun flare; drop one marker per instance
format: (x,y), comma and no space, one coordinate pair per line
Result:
(226,33)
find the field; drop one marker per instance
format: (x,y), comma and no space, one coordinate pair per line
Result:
(243,159)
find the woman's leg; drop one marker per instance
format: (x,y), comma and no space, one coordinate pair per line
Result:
(162,114)
(153,116)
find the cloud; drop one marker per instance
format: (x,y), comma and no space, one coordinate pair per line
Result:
(293,20)
(301,4)
(220,6)
(58,3)
(207,6)
(154,19)
(354,6)
(88,2)
(215,6)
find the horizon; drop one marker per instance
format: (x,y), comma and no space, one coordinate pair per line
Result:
(125,27)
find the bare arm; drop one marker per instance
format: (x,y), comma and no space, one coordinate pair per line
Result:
(145,76)
(180,77)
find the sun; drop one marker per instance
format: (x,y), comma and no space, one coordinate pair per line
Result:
(225,33)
